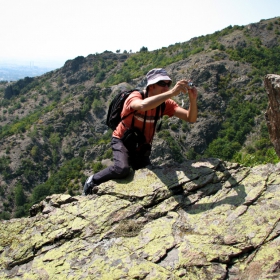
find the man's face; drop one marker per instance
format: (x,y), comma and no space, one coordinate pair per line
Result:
(162,86)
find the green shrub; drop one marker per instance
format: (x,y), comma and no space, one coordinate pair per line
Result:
(108,154)
(97,106)
(174,127)
(5,215)
(97,166)
(40,192)
(54,140)
(173,145)
(256,158)
(5,167)
(20,198)
(59,180)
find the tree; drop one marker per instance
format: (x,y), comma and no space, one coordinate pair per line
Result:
(54,139)
(40,192)
(34,151)
(19,195)
(144,49)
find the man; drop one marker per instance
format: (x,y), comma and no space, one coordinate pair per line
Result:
(142,113)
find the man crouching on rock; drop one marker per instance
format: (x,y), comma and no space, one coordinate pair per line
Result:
(142,114)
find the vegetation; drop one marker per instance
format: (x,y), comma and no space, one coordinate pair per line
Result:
(65,179)
(61,105)
(173,145)
(239,122)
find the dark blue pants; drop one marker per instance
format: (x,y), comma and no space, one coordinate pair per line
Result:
(121,167)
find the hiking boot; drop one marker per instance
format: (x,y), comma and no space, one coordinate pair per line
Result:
(90,187)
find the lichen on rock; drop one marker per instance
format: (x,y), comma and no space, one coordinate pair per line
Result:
(204,219)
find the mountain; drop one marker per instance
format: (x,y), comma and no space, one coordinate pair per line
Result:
(204,219)
(53,132)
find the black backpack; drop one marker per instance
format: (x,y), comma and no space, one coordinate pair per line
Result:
(116,106)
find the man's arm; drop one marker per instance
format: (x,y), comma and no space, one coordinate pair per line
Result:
(155,100)
(150,102)
(189,115)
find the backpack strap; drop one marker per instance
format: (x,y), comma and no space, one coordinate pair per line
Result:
(144,124)
(133,112)
(160,109)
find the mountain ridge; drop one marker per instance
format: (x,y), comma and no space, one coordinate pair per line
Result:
(56,121)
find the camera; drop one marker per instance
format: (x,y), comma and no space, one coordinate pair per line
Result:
(191,85)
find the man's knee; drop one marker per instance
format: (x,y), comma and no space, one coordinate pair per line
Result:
(122,171)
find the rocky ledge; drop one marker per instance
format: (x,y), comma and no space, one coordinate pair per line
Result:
(203,219)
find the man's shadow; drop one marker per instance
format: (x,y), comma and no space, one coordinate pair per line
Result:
(192,181)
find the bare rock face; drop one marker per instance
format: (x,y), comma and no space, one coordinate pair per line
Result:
(272,85)
(205,219)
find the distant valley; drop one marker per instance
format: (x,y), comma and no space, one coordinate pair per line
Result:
(14,69)
(13,72)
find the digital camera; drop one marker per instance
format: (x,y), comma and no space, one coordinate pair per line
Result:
(191,85)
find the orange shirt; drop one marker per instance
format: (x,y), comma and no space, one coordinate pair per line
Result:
(139,116)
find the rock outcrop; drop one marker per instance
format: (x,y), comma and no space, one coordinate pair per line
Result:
(272,85)
(203,219)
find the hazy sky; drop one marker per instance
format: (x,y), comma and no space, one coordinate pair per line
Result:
(49,32)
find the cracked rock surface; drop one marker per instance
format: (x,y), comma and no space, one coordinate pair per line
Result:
(205,219)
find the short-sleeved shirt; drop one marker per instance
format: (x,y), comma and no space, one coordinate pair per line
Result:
(170,107)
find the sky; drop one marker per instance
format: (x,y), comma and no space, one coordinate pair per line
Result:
(46,33)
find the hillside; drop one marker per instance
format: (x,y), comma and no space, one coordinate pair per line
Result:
(53,131)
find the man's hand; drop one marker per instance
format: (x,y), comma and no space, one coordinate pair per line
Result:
(192,94)
(183,86)
(189,115)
